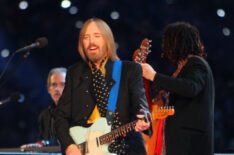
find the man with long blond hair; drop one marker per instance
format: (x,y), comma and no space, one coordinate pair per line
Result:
(88,95)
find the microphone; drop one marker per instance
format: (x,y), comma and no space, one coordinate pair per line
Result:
(40,42)
(13,98)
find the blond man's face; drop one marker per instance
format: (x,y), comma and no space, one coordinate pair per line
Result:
(94,44)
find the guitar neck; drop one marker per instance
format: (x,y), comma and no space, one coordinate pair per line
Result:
(107,138)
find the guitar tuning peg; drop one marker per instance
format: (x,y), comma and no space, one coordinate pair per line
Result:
(150,41)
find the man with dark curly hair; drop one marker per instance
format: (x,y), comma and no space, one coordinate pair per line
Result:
(190,90)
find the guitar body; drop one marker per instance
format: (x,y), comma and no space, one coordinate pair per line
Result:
(89,135)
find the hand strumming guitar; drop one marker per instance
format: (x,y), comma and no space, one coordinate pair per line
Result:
(72,150)
(143,122)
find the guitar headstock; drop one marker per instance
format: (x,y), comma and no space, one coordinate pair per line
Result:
(162,112)
(141,54)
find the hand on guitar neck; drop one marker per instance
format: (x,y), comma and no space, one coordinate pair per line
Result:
(148,72)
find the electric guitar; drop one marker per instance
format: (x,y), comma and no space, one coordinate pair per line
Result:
(140,55)
(95,139)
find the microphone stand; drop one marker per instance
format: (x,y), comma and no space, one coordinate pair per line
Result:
(25,56)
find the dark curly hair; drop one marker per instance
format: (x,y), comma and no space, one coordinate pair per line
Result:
(181,39)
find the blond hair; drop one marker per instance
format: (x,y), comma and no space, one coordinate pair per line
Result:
(107,36)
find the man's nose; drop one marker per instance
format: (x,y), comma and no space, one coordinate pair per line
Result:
(58,87)
(91,39)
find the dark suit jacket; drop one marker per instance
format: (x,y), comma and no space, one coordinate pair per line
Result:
(76,103)
(190,130)
(46,125)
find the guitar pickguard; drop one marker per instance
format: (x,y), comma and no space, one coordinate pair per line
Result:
(90,136)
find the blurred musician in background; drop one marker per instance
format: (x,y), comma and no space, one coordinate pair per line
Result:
(55,86)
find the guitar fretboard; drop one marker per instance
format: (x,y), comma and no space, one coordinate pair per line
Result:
(107,138)
(83,148)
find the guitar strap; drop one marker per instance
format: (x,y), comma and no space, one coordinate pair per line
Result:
(112,101)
